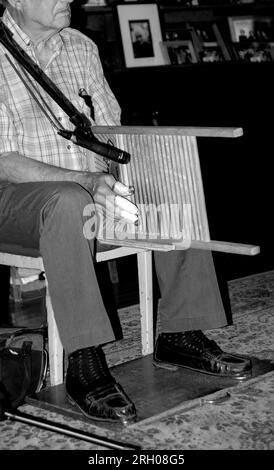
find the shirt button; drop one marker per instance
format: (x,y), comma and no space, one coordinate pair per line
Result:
(69,147)
(60,119)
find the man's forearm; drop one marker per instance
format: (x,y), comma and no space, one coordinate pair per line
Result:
(19,169)
(16,168)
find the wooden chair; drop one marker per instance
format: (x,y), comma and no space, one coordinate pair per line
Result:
(55,349)
(165,171)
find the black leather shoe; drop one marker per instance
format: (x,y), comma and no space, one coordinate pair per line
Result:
(193,350)
(91,387)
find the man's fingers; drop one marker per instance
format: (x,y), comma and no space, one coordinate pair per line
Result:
(125,205)
(126,210)
(121,189)
(131,218)
(118,207)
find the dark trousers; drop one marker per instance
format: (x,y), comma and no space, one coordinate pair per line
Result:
(48,217)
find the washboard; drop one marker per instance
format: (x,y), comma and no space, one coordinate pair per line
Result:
(165,172)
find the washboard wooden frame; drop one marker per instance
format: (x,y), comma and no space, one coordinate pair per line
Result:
(165,171)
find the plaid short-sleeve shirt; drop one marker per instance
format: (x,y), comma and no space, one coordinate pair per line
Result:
(74,64)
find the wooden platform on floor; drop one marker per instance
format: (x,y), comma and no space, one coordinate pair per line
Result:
(154,390)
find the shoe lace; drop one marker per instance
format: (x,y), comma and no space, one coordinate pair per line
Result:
(89,366)
(197,341)
(208,347)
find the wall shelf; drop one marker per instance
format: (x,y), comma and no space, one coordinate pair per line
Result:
(102,27)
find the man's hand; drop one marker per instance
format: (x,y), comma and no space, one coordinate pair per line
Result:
(110,196)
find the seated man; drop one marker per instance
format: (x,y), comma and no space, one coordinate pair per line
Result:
(45,184)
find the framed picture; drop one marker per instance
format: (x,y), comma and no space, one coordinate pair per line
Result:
(141,34)
(208,42)
(254,51)
(204,31)
(211,52)
(179,52)
(251,29)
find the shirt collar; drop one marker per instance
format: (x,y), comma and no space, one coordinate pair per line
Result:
(54,42)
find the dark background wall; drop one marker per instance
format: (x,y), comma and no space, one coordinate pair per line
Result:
(237,173)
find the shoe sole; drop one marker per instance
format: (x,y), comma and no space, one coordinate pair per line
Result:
(174,367)
(104,420)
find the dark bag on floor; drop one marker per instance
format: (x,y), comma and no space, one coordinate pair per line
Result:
(23,364)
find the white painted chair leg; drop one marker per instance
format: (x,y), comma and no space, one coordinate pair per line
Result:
(56,354)
(144,260)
